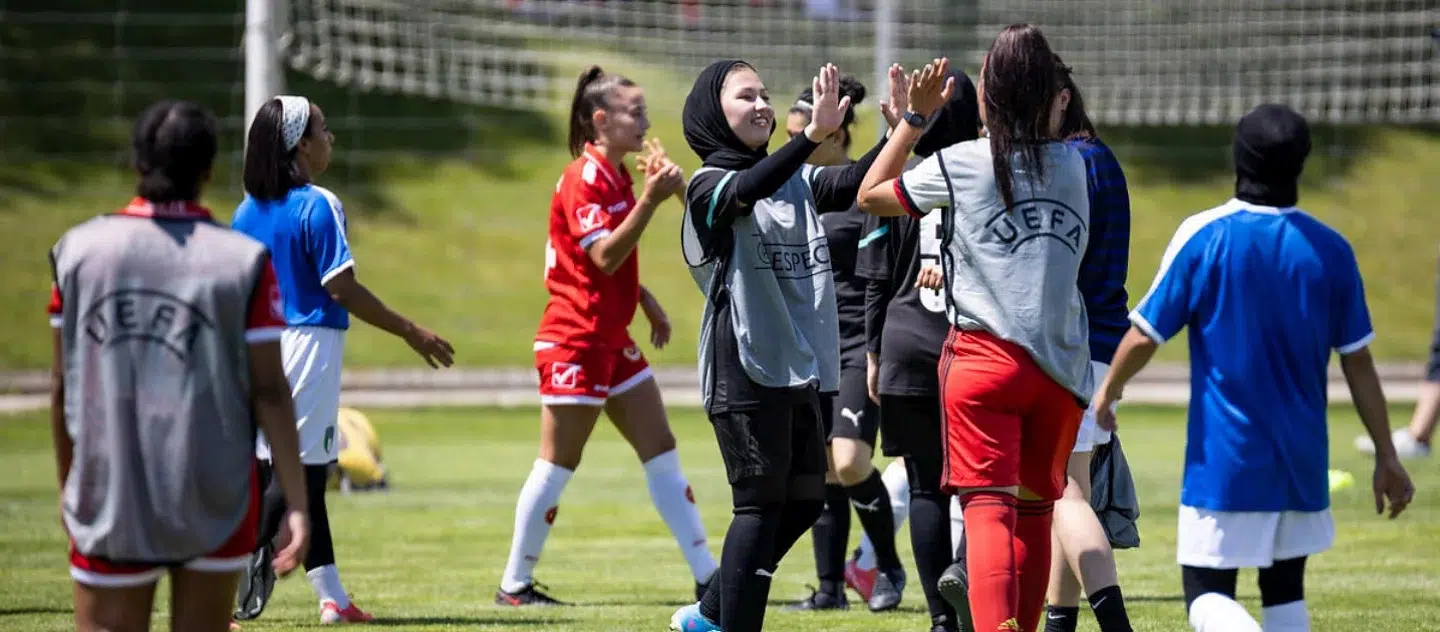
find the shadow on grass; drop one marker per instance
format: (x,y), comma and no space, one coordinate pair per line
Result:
(69,94)
(31,610)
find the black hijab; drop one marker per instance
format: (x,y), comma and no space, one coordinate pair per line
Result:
(1271,144)
(955,122)
(706,129)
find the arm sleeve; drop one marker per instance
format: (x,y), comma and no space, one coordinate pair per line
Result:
(265,318)
(1166,309)
(325,239)
(875,257)
(877,302)
(875,262)
(1351,328)
(704,198)
(584,207)
(735,191)
(836,188)
(925,187)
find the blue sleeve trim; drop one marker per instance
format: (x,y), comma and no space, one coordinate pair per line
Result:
(715,199)
(874,234)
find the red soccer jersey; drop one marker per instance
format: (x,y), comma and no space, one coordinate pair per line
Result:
(587,307)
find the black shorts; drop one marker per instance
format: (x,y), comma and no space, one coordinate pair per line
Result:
(782,437)
(850,414)
(911,425)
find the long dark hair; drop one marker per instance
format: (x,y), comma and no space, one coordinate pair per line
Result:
(270,169)
(173,148)
(1021,80)
(1076,122)
(849,87)
(591,91)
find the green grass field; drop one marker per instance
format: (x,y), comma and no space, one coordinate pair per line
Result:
(448,223)
(427,555)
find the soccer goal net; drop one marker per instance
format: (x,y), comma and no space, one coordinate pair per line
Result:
(1140,62)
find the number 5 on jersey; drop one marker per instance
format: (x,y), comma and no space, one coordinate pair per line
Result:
(932,300)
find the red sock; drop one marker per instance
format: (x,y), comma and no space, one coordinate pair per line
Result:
(1032,557)
(990,519)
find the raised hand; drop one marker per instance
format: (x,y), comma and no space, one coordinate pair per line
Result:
(894,107)
(931,87)
(829,111)
(663,179)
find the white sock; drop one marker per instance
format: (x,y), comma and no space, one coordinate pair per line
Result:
(1287,617)
(897,483)
(676,503)
(534,513)
(326,582)
(1214,612)
(957,523)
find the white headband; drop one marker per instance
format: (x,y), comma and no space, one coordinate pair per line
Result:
(805,105)
(294,118)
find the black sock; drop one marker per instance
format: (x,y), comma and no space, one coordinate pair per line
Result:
(710,601)
(1109,607)
(930,538)
(872,503)
(830,535)
(744,570)
(322,548)
(1061,618)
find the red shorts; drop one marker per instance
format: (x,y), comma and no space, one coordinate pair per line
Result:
(588,376)
(232,556)
(1006,421)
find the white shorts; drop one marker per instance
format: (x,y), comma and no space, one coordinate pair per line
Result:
(312,358)
(1091,435)
(1250,539)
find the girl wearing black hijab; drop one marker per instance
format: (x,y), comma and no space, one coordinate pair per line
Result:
(769,339)
(905,330)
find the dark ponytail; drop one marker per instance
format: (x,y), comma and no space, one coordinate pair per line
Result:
(591,91)
(271,170)
(1022,78)
(849,87)
(173,148)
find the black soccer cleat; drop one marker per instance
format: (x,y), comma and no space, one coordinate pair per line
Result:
(529,596)
(954,587)
(256,585)
(888,588)
(822,601)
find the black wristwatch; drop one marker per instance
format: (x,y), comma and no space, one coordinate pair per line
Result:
(915,118)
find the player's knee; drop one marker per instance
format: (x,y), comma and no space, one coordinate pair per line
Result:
(805,510)
(1283,582)
(851,470)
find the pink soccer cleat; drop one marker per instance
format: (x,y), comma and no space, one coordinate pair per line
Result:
(332,613)
(860,581)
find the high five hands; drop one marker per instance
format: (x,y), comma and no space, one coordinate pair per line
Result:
(931,87)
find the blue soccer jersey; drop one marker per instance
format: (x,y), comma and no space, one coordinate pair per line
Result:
(1267,293)
(306,235)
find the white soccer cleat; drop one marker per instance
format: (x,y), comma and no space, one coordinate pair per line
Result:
(1406,447)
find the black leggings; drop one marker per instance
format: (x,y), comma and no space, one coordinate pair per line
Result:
(272,513)
(1281,583)
(915,424)
(775,460)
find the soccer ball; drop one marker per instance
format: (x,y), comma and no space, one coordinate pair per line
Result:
(359,466)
